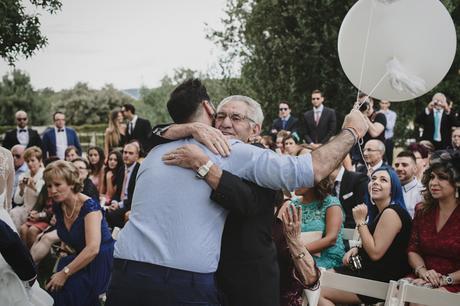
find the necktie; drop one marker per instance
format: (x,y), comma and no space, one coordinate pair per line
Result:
(22,130)
(130,128)
(284,124)
(124,192)
(437,126)
(317,116)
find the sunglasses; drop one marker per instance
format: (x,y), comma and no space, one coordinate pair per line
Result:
(21,119)
(283,109)
(316,98)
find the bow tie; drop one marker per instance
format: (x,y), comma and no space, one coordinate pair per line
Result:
(22,130)
(60,130)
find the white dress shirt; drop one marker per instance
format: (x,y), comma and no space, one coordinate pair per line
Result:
(23,137)
(412,193)
(61,142)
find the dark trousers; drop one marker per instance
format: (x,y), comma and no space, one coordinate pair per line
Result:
(143,284)
(389,146)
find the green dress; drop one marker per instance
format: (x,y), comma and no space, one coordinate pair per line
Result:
(314,219)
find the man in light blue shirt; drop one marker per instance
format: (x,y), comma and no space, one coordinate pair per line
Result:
(173,236)
(389,129)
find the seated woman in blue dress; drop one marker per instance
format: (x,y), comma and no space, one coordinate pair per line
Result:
(322,216)
(80,224)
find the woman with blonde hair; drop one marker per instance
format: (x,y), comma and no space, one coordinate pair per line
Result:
(115,134)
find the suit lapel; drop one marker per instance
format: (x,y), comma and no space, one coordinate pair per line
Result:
(344,184)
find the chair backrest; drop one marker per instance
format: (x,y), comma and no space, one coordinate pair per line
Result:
(426,296)
(348,233)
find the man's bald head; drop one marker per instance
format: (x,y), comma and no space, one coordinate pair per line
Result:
(21,119)
(18,155)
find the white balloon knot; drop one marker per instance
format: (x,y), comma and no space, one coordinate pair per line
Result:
(401,80)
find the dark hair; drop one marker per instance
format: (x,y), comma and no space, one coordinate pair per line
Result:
(81,159)
(416,147)
(69,149)
(407,153)
(429,203)
(317,91)
(56,113)
(129,107)
(95,169)
(284,102)
(184,100)
(323,189)
(118,169)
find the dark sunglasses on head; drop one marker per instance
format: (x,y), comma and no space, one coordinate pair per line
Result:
(21,119)
(283,109)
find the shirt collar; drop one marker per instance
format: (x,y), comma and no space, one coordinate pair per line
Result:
(133,121)
(25,128)
(287,118)
(319,108)
(410,185)
(340,174)
(56,129)
(377,166)
(130,168)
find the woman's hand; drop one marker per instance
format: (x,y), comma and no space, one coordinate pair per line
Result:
(291,222)
(431,276)
(189,156)
(34,216)
(57,281)
(360,213)
(346,257)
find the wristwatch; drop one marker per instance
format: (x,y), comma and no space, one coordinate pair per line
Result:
(448,279)
(204,169)
(66,270)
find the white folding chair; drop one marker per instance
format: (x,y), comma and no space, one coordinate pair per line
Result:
(425,296)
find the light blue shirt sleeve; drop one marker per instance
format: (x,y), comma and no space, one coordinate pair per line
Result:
(269,169)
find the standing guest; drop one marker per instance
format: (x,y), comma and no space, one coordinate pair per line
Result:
(82,277)
(320,122)
(58,138)
(96,160)
(30,184)
(377,123)
(22,134)
(406,168)
(350,187)
(322,212)
(456,139)
(385,239)
(434,246)
(138,128)
(88,188)
(437,121)
(421,156)
(20,166)
(120,206)
(70,153)
(285,122)
(389,129)
(113,177)
(115,134)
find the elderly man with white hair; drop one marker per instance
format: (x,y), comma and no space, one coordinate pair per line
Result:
(437,121)
(373,153)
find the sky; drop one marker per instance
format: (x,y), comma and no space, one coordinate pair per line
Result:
(124,43)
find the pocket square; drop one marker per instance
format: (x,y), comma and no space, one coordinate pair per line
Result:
(346,196)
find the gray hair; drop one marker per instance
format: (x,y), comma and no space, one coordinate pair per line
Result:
(254,110)
(380,145)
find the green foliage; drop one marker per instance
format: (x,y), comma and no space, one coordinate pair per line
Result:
(289,48)
(20,31)
(16,93)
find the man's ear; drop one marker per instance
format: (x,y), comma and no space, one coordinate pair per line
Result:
(255,130)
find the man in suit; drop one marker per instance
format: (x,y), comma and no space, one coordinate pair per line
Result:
(138,128)
(350,187)
(120,207)
(22,134)
(320,122)
(285,122)
(58,138)
(374,152)
(437,122)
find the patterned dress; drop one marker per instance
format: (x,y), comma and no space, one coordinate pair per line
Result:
(314,219)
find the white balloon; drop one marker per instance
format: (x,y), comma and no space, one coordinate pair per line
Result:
(411,46)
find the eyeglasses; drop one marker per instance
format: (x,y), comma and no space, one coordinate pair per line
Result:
(21,119)
(234,117)
(370,150)
(283,109)
(17,156)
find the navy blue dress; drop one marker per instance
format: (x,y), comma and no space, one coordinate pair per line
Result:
(84,287)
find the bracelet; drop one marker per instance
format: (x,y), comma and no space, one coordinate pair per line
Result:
(353,132)
(300,256)
(361,224)
(417,269)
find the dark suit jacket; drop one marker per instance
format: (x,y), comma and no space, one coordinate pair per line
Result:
(49,141)
(248,271)
(292,125)
(116,217)
(11,139)
(427,123)
(141,133)
(326,127)
(352,190)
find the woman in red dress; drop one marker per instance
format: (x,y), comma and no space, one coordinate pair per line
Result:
(434,248)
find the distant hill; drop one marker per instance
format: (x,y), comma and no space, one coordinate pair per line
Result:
(133,93)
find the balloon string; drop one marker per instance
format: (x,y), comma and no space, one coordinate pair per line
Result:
(371,16)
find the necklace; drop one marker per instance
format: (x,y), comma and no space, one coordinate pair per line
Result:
(73,210)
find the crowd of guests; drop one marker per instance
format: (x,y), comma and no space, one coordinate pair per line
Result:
(405,207)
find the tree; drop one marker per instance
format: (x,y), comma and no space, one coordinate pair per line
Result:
(288,48)
(20,31)
(16,93)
